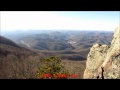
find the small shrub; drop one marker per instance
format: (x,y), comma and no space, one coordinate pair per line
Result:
(52,69)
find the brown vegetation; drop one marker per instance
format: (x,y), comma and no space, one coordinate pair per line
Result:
(75,67)
(20,63)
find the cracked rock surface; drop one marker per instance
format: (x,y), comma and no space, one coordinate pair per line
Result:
(103,61)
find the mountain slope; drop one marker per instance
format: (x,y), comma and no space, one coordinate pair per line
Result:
(8,47)
(60,41)
(17,62)
(6,41)
(20,63)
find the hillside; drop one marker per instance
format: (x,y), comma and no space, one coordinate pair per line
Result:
(17,62)
(6,41)
(9,47)
(62,43)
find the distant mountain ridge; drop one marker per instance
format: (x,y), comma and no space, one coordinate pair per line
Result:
(60,41)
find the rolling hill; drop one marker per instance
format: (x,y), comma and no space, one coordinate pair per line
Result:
(17,62)
(8,47)
(60,42)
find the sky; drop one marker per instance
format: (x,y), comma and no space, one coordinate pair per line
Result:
(59,20)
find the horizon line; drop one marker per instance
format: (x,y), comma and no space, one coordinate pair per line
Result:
(57,30)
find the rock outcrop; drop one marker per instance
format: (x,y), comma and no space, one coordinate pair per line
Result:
(103,61)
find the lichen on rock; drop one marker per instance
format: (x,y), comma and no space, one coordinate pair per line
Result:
(103,61)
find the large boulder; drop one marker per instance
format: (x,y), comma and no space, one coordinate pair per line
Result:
(103,61)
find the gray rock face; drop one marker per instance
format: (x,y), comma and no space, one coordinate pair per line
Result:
(103,61)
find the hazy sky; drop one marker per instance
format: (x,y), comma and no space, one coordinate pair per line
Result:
(57,20)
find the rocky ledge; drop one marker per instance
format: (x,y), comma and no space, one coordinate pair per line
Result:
(103,61)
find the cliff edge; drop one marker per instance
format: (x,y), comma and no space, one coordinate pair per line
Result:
(103,61)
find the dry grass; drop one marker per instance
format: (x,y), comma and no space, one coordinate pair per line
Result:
(75,67)
(20,63)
